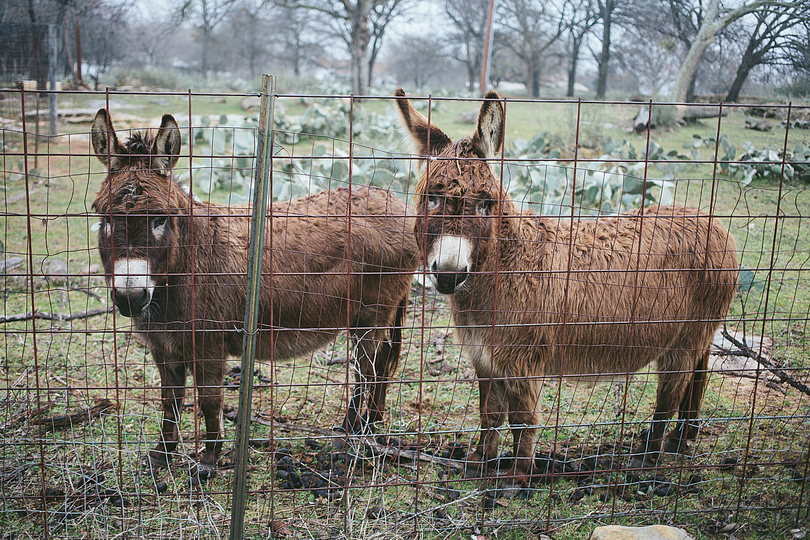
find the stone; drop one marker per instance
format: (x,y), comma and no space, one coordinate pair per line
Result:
(653,532)
(251,102)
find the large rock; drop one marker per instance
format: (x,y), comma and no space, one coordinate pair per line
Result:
(653,532)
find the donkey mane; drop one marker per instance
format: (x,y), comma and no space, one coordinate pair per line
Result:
(139,143)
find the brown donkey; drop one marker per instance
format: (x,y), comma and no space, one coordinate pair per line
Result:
(178,267)
(534,296)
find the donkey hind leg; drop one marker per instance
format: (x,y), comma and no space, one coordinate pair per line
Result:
(673,380)
(377,351)
(687,427)
(368,344)
(492,408)
(386,363)
(172,390)
(208,377)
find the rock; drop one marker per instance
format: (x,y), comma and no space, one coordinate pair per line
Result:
(10,263)
(91,269)
(56,268)
(653,532)
(468,117)
(757,125)
(251,102)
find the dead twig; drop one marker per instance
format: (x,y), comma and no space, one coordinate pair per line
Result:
(54,316)
(781,375)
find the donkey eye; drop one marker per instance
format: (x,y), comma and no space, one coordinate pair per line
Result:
(158,223)
(432,202)
(484,208)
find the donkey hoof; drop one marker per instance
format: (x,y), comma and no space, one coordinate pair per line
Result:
(512,490)
(156,459)
(473,468)
(674,446)
(340,438)
(638,461)
(201,473)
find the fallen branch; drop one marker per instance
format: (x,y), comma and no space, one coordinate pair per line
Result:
(750,353)
(69,420)
(55,316)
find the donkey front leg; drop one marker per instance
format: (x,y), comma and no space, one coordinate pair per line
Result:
(208,376)
(172,389)
(492,409)
(522,397)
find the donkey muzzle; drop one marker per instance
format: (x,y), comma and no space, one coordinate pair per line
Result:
(130,303)
(132,286)
(450,262)
(446,282)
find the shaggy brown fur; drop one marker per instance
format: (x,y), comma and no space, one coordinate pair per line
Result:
(535,296)
(324,278)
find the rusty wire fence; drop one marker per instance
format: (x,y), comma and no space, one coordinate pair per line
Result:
(81,393)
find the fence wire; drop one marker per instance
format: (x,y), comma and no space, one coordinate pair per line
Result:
(81,391)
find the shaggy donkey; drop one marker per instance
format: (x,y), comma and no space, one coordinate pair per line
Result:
(178,267)
(535,296)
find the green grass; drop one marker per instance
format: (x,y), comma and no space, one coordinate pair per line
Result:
(67,365)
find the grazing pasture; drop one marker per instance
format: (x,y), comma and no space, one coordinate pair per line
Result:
(81,393)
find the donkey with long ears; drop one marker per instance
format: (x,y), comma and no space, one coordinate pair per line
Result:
(178,268)
(535,296)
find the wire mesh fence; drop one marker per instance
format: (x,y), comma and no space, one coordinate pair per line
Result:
(100,441)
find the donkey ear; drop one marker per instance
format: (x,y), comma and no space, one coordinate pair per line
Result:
(415,130)
(488,139)
(105,143)
(167,145)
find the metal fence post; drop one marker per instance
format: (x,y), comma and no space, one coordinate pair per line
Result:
(257,227)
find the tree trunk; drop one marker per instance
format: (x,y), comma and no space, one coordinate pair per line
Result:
(361,36)
(576,43)
(739,81)
(533,76)
(690,92)
(78,30)
(204,65)
(747,63)
(604,58)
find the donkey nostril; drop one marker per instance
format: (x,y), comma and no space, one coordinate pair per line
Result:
(434,267)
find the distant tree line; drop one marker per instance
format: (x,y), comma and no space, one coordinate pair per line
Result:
(674,48)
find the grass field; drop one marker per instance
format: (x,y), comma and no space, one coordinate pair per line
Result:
(745,475)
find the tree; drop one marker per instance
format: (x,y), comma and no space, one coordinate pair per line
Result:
(205,15)
(582,17)
(300,43)
(361,24)
(466,37)
(606,9)
(767,43)
(714,19)
(245,36)
(528,28)
(418,59)
(652,61)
